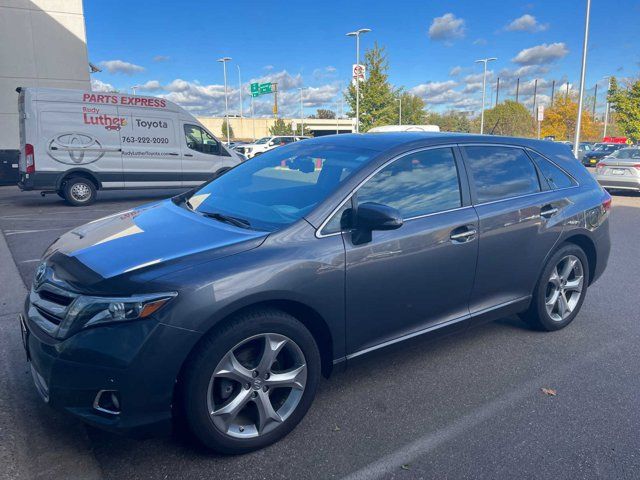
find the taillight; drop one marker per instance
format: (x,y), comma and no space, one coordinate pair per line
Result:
(637,166)
(606,203)
(29,158)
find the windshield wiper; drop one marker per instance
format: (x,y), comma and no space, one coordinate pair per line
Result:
(235,221)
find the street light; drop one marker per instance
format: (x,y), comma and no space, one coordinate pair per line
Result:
(224,61)
(357,34)
(484,61)
(134,88)
(301,112)
(606,108)
(576,143)
(240,84)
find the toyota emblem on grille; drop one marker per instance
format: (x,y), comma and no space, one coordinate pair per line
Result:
(75,148)
(40,273)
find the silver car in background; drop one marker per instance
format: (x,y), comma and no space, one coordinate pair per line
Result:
(620,170)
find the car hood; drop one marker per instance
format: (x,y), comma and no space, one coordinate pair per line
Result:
(149,237)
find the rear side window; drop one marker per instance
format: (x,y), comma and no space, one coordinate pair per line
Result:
(500,172)
(417,184)
(554,175)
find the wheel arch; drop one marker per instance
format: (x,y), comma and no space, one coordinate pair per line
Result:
(78,172)
(589,248)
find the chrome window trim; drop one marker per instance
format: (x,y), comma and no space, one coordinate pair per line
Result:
(319,233)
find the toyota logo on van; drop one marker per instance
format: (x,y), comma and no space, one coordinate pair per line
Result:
(75,148)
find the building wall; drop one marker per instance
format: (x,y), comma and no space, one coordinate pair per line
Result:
(247,128)
(42,44)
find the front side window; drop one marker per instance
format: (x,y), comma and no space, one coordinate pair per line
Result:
(199,140)
(280,186)
(417,184)
(500,172)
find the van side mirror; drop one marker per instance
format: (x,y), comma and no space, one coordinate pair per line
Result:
(374,216)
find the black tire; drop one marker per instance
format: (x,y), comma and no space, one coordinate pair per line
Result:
(537,315)
(79,191)
(195,389)
(60,193)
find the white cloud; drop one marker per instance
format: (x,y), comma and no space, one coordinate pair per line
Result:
(268,68)
(455,71)
(472,87)
(446,28)
(526,23)
(479,41)
(119,66)
(431,89)
(100,86)
(150,85)
(161,58)
(326,72)
(541,54)
(477,77)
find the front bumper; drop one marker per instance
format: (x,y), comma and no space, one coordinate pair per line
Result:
(140,360)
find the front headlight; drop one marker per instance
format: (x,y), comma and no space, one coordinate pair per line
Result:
(88,311)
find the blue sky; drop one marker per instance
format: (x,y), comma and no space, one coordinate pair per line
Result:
(170,48)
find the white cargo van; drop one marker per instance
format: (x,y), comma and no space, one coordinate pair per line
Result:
(75,143)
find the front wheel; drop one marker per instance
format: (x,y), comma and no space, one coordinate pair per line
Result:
(561,289)
(251,383)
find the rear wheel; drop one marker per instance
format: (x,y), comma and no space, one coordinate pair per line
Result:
(250,384)
(561,289)
(79,191)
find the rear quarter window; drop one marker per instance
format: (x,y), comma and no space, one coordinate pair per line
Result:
(555,176)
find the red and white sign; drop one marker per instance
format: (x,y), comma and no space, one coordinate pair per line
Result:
(358,73)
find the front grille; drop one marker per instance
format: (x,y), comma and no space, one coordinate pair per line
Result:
(50,301)
(47,315)
(54,297)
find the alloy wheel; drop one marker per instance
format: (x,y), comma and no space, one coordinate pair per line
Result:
(564,288)
(80,192)
(257,385)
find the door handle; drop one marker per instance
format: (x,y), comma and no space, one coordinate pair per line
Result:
(174,154)
(188,155)
(548,211)
(463,234)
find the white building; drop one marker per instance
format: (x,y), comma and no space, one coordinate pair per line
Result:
(42,44)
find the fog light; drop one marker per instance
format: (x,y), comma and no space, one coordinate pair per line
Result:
(107,401)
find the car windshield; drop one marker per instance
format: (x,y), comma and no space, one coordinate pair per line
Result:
(627,154)
(605,148)
(263,140)
(279,187)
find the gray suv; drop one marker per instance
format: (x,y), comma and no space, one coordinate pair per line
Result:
(223,306)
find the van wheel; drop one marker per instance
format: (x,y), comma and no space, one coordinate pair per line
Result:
(250,383)
(560,291)
(60,193)
(79,191)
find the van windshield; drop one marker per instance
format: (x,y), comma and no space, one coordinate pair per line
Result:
(279,187)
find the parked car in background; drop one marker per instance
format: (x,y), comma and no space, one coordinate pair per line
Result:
(76,142)
(620,170)
(404,128)
(265,144)
(600,151)
(226,304)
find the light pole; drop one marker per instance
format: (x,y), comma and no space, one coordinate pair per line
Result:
(606,109)
(240,84)
(576,143)
(484,61)
(357,34)
(301,112)
(134,88)
(224,61)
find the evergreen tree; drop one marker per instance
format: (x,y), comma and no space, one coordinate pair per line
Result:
(224,130)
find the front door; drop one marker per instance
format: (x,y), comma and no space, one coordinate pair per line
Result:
(410,279)
(202,155)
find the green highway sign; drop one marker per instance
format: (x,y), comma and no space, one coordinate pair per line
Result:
(260,89)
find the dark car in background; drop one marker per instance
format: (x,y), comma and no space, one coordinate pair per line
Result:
(223,306)
(600,151)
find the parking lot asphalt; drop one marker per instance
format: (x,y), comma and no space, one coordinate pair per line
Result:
(468,405)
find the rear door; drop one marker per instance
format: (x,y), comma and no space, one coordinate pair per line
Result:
(410,279)
(519,223)
(150,152)
(81,136)
(202,155)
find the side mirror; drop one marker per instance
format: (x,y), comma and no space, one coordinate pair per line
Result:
(374,216)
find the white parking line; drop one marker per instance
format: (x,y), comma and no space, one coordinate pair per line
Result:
(8,233)
(30,261)
(392,462)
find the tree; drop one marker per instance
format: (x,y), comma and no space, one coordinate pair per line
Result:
(509,118)
(280,127)
(377,98)
(560,121)
(224,130)
(412,109)
(324,113)
(450,121)
(626,104)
